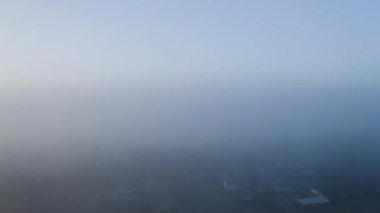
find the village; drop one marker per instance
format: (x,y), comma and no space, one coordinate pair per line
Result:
(186,186)
(297,197)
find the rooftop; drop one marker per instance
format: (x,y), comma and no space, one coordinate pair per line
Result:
(320,199)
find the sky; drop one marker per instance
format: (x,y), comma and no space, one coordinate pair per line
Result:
(151,44)
(98,73)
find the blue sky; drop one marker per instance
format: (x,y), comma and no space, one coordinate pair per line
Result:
(264,43)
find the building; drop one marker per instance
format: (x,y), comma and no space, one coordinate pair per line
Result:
(233,184)
(313,200)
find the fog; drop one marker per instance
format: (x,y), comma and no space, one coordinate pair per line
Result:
(48,126)
(189,106)
(61,137)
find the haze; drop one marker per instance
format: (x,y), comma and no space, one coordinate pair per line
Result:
(88,85)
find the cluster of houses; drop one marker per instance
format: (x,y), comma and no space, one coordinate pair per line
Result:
(287,198)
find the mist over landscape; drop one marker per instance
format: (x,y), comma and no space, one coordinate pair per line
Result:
(57,144)
(189,106)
